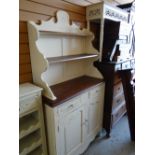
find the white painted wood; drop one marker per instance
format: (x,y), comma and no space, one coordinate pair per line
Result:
(52,130)
(72,125)
(102,11)
(53,39)
(38,58)
(67,124)
(95,112)
(28,89)
(73,70)
(94,11)
(90,2)
(72,130)
(31,126)
(101,38)
(79,2)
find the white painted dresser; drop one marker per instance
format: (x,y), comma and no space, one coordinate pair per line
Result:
(62,59)
(32,139)
(73,124)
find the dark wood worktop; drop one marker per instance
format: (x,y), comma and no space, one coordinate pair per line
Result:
(66,90)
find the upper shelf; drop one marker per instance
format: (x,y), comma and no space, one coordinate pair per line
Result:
(56,41)
(80,34)
(71,58)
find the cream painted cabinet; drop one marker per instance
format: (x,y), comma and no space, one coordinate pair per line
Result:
(72,125)
(72,130)
(95,111)
(32,139)
(73,106)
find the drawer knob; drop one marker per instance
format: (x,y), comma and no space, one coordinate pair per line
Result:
(71,106)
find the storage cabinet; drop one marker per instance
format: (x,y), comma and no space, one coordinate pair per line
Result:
(72,130)
(95,111)
(31,124)
(72,125)
(73,88)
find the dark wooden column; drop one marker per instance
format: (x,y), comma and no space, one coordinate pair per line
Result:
(126,76)
(107,70)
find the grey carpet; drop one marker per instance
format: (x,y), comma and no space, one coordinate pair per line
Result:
(118,144)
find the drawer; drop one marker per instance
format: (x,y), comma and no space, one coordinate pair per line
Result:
(70,105)
(126,65)
(118,114)
(28,103)
(96,92)
(118,100)
(118,88)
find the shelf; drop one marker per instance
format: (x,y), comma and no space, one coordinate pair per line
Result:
(37,151)
(71,57)
(28,124)
(79,34)
(71,88)
(29,143)
(28,112)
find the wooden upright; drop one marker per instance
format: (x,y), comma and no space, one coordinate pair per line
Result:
(108,70)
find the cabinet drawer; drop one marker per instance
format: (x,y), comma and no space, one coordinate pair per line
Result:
(70,105)
(126,65)
(96,92)
(28,103)
(118,100)
(118,114)
(118,88)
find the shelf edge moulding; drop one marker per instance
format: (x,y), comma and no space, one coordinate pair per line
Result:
(54,45)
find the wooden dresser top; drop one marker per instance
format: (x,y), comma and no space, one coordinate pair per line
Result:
(71,88)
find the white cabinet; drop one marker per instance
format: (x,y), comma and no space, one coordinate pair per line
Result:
(31,125)
(62,57)
(72,125)
(93,117)
(72,131)
(95,111)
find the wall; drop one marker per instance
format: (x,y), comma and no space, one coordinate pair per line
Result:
(40,10)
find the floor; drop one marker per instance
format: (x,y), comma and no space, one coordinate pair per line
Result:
(118,144)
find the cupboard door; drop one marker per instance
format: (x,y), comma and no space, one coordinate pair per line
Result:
(93,119)
(72,130)
(95,113)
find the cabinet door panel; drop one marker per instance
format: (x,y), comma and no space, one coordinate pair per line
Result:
(95,112)
(93,117)
(72,132)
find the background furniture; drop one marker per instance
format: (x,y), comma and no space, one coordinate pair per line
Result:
(110,27)
(116,57)
(62,59)
(115,107)
(32,139)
